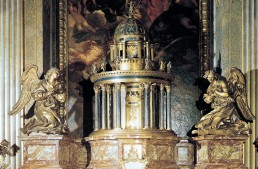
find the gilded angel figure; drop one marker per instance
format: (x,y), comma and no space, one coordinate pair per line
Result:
(47,94)
(228,100)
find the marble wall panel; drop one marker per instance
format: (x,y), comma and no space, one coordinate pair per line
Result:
(235,40)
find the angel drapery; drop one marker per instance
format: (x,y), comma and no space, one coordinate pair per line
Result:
(228,100)
(47,95)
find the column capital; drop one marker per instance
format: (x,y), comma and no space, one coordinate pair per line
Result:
(96,89)
(123,87)
(168,88)
(162,86)
(108,89)
(118,86)
(103,87)
(146,85)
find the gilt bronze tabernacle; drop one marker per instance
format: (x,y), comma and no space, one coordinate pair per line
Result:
(132,114)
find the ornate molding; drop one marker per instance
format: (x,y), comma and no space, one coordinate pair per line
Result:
(205,35)
(132,76)
(63,55)
(63,49)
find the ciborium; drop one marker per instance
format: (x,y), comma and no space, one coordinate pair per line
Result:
(132,113)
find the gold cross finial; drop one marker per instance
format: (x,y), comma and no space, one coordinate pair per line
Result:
(131,8)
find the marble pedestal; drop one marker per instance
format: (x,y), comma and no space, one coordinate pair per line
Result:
(132,149)
(52,151)
(220,152)
(184,154)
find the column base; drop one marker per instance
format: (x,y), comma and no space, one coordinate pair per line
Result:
(220,152)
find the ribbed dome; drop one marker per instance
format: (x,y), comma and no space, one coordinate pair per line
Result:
(129,30)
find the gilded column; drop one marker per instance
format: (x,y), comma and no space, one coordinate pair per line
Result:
(142,107)
(146,105)
(108,107)
(114,107)
(123,45)
(115,51)
(152,107)
(165,110)
(118,105)
(120,48)
(152,51)
(147,50)
(104,106)
(123,106)
(139,50)
(96,108)
(111,52)
(161,107)
(168,90)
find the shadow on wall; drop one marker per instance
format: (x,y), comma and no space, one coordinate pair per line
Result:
(200,104)
(88,94)
(80,117)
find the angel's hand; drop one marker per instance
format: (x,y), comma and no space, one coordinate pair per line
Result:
(38,95)
(205,95)
(208,99)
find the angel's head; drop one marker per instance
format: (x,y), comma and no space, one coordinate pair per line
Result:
(236,76)
(52,75)
(210,75)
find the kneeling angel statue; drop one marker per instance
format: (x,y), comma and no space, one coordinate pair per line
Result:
(48,94)
(228,100)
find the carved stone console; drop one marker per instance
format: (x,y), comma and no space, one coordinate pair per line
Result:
(221,152)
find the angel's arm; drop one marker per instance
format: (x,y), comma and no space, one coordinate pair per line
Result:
(40,93)
(224,92)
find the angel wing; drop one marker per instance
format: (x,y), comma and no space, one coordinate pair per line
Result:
(29,80)
(236,82)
